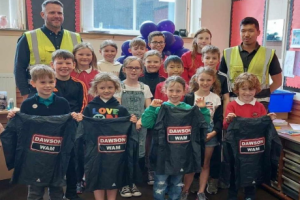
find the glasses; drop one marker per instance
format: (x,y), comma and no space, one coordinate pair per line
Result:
(158,43)
(133,68)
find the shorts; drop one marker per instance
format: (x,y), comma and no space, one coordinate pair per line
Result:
(213,141)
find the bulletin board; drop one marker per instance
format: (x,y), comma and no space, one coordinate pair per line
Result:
(71,14)
(292,83)
(246,8)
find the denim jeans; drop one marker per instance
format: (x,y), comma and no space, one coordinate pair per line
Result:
(171,183)
(37,193)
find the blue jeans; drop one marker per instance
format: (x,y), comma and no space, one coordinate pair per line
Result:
(172,183)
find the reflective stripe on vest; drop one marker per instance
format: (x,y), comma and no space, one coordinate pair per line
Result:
(258,66)
(41,47)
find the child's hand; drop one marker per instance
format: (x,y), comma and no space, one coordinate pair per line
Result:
(139,124)
(230,117)
(77,116)
(11,114)
(272,115)
(133,118)
(156,103)
(210,135)
(200,102)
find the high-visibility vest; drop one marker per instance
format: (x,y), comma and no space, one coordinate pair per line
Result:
(41,48)
(258,66)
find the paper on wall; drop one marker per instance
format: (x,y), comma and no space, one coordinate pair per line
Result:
(288,67)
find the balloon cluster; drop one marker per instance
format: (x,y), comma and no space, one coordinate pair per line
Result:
(174,43)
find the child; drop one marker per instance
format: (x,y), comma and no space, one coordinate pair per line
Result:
(68,87)
(192,60)
(108,50)
(210,58)
(175,89)
(137,47)
(173,67)
(44,103)
(246,86)
(205,79)
(156,41)
(135,96)
(104,86)
(86,64)
(152,63)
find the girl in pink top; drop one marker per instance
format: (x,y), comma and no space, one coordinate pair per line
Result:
(86,64)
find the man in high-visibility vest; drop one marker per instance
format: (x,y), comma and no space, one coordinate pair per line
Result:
(250,57)
(36,46)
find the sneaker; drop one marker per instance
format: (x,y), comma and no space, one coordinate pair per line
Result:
(184,195)
(135,191)
(79,188)
(125,192)
(150,178)
(201,196)
(212,186)
(194,186)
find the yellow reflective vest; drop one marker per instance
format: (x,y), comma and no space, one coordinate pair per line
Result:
(41,48)
(259,64)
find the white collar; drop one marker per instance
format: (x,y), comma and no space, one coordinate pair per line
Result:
(89,70)
(242,103)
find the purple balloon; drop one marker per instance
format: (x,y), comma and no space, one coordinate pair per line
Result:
(169,39)
(147,27)
(125,47)
(166,52)
(121,59)
(181,51)
(166,25)
(178,44)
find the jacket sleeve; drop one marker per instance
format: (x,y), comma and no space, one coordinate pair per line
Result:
(218,120)
(158,94)
(206,114)
(185,74)
(9,142)
(225,171)
(229,109)
(149,116)
(276,148)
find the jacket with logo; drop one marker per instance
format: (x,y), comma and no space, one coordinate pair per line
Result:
(252,148)
(38,148)
(178,141)
(111,152)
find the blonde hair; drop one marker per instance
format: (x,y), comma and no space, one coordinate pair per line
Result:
(137,42)
(40,71)
(128,60)
(103,77)
(194,85)
(173,80)
(195,45)
(153,53)
(85,45)
(106,43)
(249,78)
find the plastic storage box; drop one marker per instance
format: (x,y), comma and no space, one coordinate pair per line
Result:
(281,101)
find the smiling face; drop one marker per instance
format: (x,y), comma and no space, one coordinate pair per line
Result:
(109,53)
(202,40)
(152,63)
(133,70)
(211,60)
(106,90)
(249,34)
(63,67)
(174,69)
(138,51)
(205,82)
(246,93)
(44,86)
(175,91)
(157,43)
(83,58)
(53,16)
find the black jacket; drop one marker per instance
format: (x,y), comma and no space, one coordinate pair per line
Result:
(252,148)
(178,141)
(217,118)
(111,152)
(38,148)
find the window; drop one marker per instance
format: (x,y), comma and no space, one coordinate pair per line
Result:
(125,16)
(12,14)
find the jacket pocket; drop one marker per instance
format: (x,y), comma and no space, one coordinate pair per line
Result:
(235,71)
(48,50)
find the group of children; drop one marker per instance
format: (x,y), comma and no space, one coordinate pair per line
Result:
(148,80)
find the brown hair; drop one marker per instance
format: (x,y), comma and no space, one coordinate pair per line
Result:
(154,34)
(210,49)
(128,60)
(249,78)
(194,86)
(102,77)
(85,45)
(195,45)
(173,80)
(40,71)
(137,42)
(64,54)
(106,43)
(152,53)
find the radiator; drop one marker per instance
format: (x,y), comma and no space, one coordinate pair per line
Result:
(7,83)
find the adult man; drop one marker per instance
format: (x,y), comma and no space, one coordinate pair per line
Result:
(36,47)
(253,58)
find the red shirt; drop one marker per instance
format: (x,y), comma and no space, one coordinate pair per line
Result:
(246,110)
(190,70)
(86,78)
(159,94)
(162,70)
